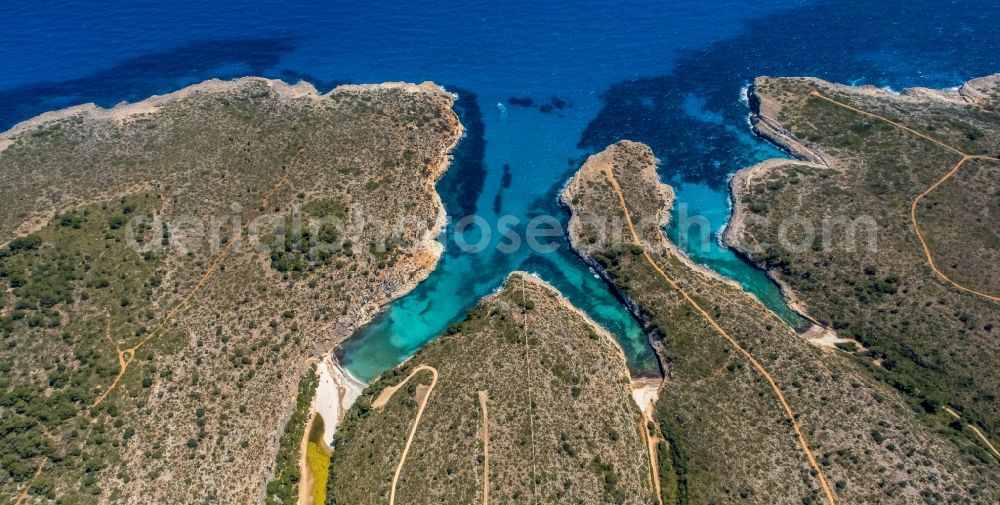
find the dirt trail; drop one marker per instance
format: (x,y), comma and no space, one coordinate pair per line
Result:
(984,439)
(732,341)
(531,400)
(305,496)
(423,393)
(644,393)
(125,356)
(651,449)
(483,398)
(916,201)
(41,467)
(920,235)
(901,126)
(977,432)
(24,493)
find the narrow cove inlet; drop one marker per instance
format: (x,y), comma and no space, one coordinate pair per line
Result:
(634,252)
(528,137)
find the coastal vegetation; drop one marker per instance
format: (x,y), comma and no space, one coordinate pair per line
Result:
(750,409)
(283,488)
(925,318)
(73,265)
(152,341)
(170,270)
(562,427)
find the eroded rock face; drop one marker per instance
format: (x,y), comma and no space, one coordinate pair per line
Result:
(869,275)
(216,240)
(638,178)
(562,423)
(731,438)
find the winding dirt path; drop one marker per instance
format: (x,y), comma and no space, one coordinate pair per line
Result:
(483,399)
(920,235)
(125,356)
(732,341)
(965,157)
(976,430)
(423,393)
(901,126)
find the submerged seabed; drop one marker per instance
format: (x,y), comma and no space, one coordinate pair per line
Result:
(669,76)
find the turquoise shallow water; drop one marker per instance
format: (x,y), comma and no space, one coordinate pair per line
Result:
(669,75)
(703,209)
(462,278)
(540,149)
(696,199)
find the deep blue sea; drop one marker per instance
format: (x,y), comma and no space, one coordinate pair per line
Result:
(666,73)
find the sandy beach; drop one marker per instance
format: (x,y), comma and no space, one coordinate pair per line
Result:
(336,393)
(828,339)
(644,390)
(645,393)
